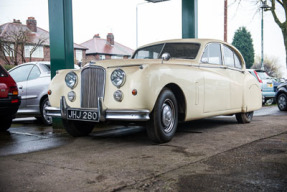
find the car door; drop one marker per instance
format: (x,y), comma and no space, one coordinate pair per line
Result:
(20,75)
(34,87)
(236,76)
(216,84)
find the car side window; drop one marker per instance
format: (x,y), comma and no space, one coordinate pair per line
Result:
(212,54)
(21,73)
(228,56)
(237,62)
(35,73)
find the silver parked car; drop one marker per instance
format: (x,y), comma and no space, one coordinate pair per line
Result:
(33,80)
(266,83)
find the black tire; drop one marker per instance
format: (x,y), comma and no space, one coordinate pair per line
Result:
(47,120)
(5,123)
(78,128)
(164,119)
(282,102)
(244,117)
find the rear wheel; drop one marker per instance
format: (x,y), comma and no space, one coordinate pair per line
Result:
(244,117)
(164,118)
(5,123)
(78,128)
(282,102)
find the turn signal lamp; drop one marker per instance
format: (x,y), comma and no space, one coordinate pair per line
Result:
(134,92)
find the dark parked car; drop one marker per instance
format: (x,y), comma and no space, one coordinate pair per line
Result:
(9,99)
(281,97)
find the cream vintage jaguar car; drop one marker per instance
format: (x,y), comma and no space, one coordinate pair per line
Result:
(164,83)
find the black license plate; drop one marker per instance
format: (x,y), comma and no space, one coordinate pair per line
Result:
(83,115)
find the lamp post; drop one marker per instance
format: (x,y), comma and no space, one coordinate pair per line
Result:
(264,6)
(147,1)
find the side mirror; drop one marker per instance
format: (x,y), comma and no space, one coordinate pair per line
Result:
(165,57)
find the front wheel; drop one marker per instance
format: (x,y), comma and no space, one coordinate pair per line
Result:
(282,102)
(78,128)
(164,118)
(244,117)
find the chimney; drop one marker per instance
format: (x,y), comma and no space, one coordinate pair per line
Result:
(16,21)
(31,24)
(97,36)
(110,39)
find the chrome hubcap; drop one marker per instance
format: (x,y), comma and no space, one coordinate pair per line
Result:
(168,115)
(48,118)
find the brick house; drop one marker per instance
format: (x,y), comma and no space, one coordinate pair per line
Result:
(33,35)
(101,49)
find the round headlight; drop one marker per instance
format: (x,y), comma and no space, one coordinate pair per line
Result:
(71,96)
(118,78)
(71,79)
(118,95)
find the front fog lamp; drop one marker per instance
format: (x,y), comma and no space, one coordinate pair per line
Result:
(118,78)
(118,96)
(71,79)
(71,96)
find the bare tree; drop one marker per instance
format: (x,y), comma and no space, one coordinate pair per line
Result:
(12,45)
(271,66)
(275,6)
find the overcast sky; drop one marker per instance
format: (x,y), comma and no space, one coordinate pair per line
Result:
(157,21)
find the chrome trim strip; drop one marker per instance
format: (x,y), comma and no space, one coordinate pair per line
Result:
(134,115)
(121,66)
(53,111)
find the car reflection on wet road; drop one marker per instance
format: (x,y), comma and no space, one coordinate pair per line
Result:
(27,135)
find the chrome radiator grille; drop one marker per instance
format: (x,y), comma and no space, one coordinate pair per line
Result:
(92,86)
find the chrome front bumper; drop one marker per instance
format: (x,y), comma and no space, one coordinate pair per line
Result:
(105,114)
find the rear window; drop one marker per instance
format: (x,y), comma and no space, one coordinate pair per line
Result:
(45,67)
(263,75)
(3,73)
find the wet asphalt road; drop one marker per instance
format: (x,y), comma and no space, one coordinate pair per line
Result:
(214,154)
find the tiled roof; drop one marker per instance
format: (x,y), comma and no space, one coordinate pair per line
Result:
(100,46)
(34,37)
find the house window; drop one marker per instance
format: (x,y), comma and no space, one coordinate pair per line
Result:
(117,57)
(38,53)
(102,57)
(79,55)
(9,50)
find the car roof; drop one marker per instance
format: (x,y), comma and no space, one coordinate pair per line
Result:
(257,70)
(200,41)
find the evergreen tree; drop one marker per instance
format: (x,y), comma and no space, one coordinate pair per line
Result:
(243,42)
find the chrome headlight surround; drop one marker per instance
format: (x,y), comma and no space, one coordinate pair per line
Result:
(71,79)
(118,78)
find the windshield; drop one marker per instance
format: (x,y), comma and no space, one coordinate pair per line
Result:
(176,50)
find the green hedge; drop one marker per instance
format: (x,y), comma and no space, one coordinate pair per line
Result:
(8,67)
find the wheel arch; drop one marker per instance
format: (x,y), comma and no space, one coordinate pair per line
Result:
(42,98)
(180,98)
(279,92)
